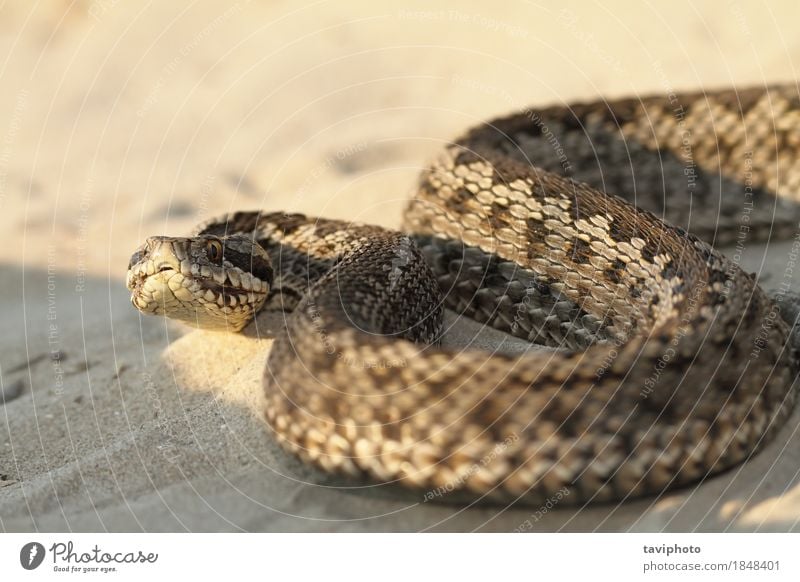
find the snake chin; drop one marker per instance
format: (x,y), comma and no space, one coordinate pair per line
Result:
(215,283)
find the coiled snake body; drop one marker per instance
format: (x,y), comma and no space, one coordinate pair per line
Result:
(672,362)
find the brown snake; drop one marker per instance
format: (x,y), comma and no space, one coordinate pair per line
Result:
(672,363)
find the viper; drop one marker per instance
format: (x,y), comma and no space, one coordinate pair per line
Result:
(590,228)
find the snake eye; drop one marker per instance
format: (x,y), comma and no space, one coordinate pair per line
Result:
(214,250)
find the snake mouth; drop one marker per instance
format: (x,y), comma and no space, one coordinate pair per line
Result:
(210,301)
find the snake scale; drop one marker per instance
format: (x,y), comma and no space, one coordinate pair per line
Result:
(589,228)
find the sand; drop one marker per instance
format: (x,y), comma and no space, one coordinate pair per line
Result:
(120,120)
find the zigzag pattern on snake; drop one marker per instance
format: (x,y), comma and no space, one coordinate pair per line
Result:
(672,363)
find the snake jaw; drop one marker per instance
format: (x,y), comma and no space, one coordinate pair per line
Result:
(208,282)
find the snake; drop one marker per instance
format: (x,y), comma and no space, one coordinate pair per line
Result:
(589,228)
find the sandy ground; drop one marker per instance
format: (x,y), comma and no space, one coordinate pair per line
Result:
(123,119)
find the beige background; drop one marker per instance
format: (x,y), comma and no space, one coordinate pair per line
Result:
(122,119)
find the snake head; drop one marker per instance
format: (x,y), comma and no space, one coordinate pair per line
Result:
(206,281)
